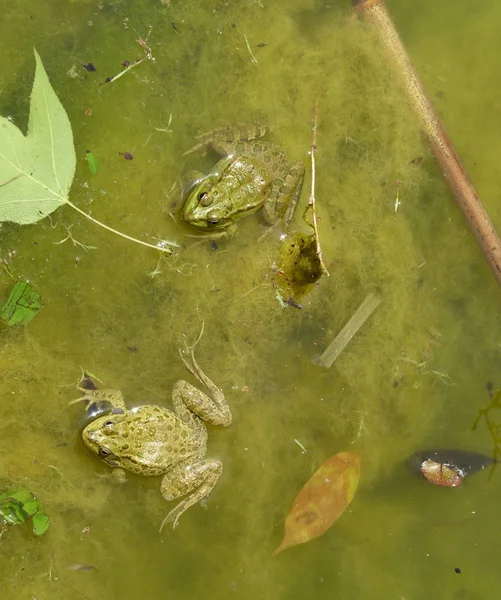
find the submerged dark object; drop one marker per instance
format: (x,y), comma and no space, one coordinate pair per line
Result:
(299,266)
(447,467)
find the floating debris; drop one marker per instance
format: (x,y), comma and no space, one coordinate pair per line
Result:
(21,305)
(448,468)
(78,567)
(300,445)
(322,499)
(128,65)
(92,162)
(343,338)
(441,474)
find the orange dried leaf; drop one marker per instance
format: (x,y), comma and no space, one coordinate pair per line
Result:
(322,500)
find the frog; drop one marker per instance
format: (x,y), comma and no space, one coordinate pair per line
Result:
(153,440)
(251,175)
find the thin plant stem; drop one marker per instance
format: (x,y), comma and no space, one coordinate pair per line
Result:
(311,200)
(165,247)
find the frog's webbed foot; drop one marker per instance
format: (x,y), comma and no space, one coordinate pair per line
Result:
(114,398)
(100,397)
(185,396)
(196,479)
(118,476)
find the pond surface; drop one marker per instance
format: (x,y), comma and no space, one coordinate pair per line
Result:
(413,378)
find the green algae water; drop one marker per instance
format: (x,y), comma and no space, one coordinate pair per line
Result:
(414,378)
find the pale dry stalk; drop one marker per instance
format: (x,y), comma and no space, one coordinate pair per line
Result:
(311,200)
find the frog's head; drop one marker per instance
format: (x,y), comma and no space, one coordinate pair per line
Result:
(103,437)
(235,188)
(205,206)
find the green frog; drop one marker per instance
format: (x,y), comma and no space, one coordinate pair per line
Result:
(153,440)
(253,174)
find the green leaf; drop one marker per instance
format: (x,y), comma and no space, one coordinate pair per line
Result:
(31,507)
(21,306)
(36,170)
(17,505)
(92,162)
(20,495)
(12,512)
(40,523)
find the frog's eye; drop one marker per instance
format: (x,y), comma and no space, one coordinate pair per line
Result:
(212,218)
(104,452)
(204,199)
(108,424)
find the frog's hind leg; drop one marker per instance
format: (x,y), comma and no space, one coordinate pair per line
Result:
(186,397)
(196,479)
(231,139)
(284,196)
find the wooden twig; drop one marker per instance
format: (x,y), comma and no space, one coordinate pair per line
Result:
(311,200)
(363,312)
(454,172)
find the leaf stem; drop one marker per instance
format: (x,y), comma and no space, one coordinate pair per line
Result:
(165,247)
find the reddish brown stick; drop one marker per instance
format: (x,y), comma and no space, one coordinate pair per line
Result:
(454,172)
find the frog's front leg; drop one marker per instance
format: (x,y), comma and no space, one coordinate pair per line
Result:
(187,399)
(284,196)
(196,479)
(112,397)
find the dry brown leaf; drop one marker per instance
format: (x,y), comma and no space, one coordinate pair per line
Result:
(322,500)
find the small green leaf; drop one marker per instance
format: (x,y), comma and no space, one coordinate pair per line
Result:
(17,505)
(40,523)
(31,507)
(21,306)
(20,495)
(12,512)
(92,161)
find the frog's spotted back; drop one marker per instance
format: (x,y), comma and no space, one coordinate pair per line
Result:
(253,174)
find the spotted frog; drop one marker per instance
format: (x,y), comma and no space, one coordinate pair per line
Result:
(153,440)
(251,175)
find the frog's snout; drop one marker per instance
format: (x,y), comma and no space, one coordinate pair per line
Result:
(90,438)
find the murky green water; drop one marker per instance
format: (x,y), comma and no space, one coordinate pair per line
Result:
(122,313)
